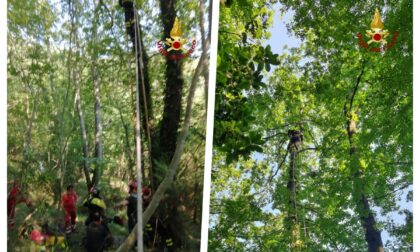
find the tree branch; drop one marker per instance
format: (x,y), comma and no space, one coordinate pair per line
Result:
(359,78)
(396,190)
(278,168)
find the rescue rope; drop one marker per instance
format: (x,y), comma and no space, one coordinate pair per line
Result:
(146,110)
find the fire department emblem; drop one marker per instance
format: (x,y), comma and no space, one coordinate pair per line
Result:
(377,35)
(176,43)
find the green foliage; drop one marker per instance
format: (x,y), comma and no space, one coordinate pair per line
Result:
(241,63)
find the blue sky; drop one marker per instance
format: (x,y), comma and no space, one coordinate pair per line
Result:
(279,36)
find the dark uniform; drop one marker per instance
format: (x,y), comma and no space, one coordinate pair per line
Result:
(132,211)
(98,236)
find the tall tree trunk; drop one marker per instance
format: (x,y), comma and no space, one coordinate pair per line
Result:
(83,134)
(82,128)
(145,91)
(28,134)
(292,215)
(203,42)
(168,180)
(173,89)
(30,118)
(62,142)
(97,109)
(168,131)
(127,148)
(372,234)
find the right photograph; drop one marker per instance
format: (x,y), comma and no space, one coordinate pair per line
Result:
(313,127)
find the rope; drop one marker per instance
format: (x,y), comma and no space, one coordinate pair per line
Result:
(295,237)
(146,110)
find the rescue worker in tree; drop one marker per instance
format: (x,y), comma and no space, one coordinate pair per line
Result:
(94,204)
(296,139)
(128,6)
(98,236)
(68,202)
(15,197)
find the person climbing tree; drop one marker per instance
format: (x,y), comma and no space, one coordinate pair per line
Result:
(296,138)
(98,236)
(15,197)
(94,204)
(68,202)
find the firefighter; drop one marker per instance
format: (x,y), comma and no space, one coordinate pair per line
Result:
(98,236)
(131,203)
(68,202)
(94,204)
(15,197)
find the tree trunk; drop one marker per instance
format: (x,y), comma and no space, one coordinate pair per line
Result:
(82,126)
(77,98)
(145,91)
(28,134)
(168,127)
(293,224)
(372,234)
(97,109)
(62,142)
(168,180)
(173,90)
(127,148)
(203,42)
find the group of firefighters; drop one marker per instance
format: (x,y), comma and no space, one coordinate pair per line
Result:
(98,236)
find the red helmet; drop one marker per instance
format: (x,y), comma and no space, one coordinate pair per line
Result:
(145,190)
(94,190)
(37,236)
(133,184)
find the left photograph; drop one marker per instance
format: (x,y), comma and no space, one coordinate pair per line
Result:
(106,124)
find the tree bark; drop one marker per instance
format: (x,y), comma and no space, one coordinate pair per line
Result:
(173,90)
